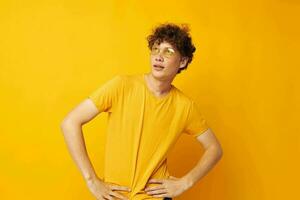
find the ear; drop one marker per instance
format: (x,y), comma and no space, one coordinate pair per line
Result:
(183,62)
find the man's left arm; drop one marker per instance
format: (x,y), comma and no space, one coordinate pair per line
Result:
(173,186)
(213,153)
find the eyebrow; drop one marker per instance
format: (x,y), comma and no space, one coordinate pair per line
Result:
(165,47)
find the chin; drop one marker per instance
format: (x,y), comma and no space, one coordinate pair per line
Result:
(159,75)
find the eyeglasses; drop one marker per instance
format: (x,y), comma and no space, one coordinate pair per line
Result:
(167,52)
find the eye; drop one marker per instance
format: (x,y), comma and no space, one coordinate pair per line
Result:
(155,50)
(170,51)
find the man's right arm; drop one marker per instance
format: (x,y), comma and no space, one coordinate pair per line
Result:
(71,127)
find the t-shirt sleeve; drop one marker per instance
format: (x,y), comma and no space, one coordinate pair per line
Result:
(107,94)
(195,123)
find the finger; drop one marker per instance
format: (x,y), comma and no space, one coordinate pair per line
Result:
(122,188)
(160,195)
(100,198)
(154,188)
(108,197)
(156,181)
(161,191)
(116,194)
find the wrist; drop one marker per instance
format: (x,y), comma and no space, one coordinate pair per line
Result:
(90,177)
(187,182)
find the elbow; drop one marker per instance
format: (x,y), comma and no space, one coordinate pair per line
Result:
(219,152)
(65,124)
(217,148)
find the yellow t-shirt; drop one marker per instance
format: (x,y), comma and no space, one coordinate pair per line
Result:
(141,130)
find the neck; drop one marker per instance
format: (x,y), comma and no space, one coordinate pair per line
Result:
(158,86)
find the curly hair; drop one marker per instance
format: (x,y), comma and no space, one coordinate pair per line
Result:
(177,36)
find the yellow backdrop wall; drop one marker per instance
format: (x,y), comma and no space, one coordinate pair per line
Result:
(243,76)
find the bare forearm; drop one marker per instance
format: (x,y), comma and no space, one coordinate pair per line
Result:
(76,146)
(210,157)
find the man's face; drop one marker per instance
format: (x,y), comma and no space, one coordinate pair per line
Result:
(168,57)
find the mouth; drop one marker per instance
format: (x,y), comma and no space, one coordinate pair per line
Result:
(158,67)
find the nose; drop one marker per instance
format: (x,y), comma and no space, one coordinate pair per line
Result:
(159,57)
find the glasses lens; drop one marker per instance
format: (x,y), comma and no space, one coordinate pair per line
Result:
(154,50)
(167,52)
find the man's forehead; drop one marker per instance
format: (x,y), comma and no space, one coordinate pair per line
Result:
(164,44)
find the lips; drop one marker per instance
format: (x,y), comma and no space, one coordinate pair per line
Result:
(159,66)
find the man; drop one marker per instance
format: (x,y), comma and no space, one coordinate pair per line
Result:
(146,116)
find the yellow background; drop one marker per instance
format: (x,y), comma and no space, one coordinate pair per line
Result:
(53,54)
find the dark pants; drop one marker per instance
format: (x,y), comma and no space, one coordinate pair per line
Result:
(167,198)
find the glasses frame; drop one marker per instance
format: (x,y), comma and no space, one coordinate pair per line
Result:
(164,51)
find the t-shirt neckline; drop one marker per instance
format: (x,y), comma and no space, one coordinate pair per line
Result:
(152,94)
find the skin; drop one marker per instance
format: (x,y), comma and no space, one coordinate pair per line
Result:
(159,82)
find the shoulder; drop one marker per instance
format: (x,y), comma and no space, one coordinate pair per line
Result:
(131,79)
(126,82)
(183,97)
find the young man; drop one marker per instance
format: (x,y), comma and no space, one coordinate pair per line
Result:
(146,116)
